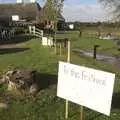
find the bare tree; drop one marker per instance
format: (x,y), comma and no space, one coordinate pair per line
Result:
(114,6)
(53,9)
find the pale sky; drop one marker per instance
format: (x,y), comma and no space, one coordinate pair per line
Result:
(84,11)
(79,10)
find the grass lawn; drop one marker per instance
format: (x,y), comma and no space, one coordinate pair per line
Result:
(46,106)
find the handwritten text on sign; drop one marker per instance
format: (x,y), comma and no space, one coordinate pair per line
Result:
(85,86)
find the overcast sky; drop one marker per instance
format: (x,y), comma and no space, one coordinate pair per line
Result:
(79,10)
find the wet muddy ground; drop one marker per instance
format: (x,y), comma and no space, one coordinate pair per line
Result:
(99,56)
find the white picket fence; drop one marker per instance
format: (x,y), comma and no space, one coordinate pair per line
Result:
(46,41)
(35,31)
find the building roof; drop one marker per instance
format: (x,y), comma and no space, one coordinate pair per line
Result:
(29,12)
(24,11)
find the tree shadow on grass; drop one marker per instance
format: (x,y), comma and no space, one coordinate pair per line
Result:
(45,80)
(12,50)
(116,100)
(18,39)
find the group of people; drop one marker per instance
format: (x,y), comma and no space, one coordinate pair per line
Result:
(107,36)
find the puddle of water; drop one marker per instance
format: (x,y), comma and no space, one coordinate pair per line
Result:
(105,58)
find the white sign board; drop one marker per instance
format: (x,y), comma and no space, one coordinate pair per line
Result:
(15,17)
(85,86)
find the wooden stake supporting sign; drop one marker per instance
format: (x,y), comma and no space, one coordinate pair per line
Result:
(66,105)
(68,60)
(60,49)
(66,109)
(68,56)
(81,113)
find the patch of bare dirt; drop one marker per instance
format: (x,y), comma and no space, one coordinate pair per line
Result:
(21,45)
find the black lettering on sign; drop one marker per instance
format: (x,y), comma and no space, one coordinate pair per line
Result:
(66,70)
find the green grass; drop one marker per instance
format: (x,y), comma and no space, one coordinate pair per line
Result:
(46,106)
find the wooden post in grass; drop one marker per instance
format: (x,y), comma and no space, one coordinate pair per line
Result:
(95,51)
(66,106)
(66,109)
(82,113)
(68,60)
(55,43)
(60,49)
(68,56)
(65,45)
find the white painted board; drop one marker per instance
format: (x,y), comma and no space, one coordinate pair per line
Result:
(50,41)
(44,41)
(15,17)
(85,86)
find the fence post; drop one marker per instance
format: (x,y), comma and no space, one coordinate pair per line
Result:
(68,60)
(95,51)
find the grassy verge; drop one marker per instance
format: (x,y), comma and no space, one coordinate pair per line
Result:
(46,106)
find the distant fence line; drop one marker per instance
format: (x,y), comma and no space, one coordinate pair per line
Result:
(6,34)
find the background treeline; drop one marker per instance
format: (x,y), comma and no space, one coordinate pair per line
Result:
(78,25)
(95,28)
